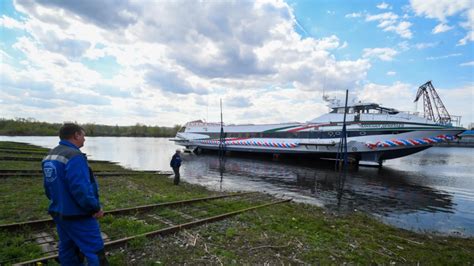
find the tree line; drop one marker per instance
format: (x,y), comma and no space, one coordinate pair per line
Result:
(32,127)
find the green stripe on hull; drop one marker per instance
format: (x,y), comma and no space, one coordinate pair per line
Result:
(277,129)
(399,128)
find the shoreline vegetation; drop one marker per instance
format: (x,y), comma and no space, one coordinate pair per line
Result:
(289,233)
(32,127)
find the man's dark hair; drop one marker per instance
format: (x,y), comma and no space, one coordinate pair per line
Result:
(68,130)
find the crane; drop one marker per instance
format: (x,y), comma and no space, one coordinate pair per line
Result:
(439,114)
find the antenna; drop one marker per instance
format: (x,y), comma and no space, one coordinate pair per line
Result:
(222,120)
(222,135)
(342,154)
(325,97)
(221,148)
(207,107)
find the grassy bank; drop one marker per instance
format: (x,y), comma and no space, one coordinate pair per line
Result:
(287,233)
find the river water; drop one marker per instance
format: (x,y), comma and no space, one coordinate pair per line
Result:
(431,191)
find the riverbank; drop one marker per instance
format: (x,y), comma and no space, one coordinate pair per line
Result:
(286,233)
(32,127)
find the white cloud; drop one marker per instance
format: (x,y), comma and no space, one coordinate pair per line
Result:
(166,54)
(442,10)
(468,25)
(441,27)
(424,45)
(10,23)
(439,9)
(353,15)
(5,56)
(443,56)
(470,63)
(402,29)
(391,73)
(388,16)
(458,101)
(469,14)
(329,43)
(383,5)
(399,95)
(404,46)
(384,54)
(389,21)
(238,101)
(468,38)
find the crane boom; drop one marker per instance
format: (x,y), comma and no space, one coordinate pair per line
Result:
(430,95)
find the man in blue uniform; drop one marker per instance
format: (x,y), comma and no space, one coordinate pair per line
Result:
(72,190)
(175,164)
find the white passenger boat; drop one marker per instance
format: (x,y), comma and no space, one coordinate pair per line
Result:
(374,133)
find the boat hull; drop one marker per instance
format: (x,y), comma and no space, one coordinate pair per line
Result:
(375,148)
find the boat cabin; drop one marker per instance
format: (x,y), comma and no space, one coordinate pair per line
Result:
(366,108)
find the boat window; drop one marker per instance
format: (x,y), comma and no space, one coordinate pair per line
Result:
(393,112)
(367,109)
(182,129)
(373,111)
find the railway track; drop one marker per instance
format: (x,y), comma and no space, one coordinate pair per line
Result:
(38,171)
(121,226)
(32,152)
(39,159)
(98,174)
(32,149)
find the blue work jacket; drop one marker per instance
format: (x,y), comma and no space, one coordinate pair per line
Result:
(69,183)
(175,161)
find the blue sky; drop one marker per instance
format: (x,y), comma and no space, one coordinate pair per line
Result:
(438,56)
(166,63)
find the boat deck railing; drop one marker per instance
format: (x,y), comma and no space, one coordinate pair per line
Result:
(455,119)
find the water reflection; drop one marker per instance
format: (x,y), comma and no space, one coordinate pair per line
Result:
(374,190)
(395,196)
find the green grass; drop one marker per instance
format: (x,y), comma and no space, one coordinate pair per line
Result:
(20,165)
(119,227)
(14,246)
(39,156)
(300,234)
(20,146)
(22,198)
(287,233)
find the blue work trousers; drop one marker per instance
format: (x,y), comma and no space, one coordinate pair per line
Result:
(79,235)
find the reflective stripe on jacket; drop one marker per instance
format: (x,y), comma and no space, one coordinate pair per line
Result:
(69,183)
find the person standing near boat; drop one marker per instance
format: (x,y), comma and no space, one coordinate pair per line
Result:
(72,190)
(175,164)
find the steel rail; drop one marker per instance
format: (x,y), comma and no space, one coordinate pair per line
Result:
(33,149)
(98,174)
(101,171)
(20,171)
(22,151)
(12,158)
(119,242)
(39,159)
(42,222)
(188,214)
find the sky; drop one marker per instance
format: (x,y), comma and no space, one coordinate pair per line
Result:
(121,62)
